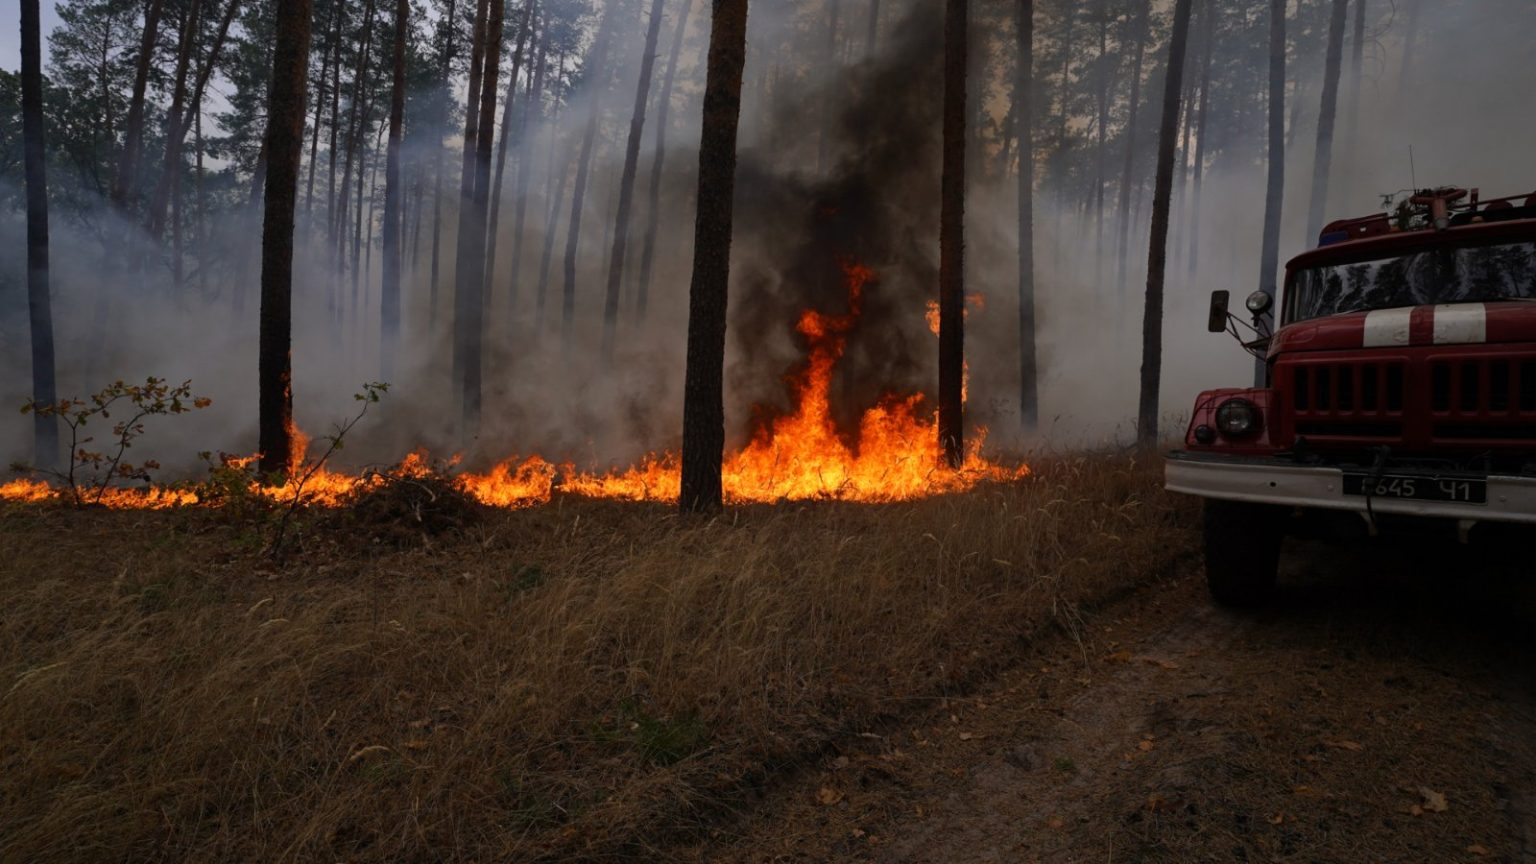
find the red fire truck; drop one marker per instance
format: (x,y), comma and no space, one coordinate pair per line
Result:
(1400,389)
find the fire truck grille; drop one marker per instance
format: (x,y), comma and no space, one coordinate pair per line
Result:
(1334,389)
(1494,385)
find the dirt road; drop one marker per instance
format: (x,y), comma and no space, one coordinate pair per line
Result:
(1383,710)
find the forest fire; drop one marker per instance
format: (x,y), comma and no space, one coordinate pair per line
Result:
(797,456)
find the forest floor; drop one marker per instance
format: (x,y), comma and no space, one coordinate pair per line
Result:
(1383,710)
(417,679)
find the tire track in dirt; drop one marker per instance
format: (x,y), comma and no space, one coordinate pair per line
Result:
(1383,710)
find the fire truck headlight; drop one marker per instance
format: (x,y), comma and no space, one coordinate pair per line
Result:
(1237,418)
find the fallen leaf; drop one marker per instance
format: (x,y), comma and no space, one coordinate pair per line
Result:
(375,748)
(826,796)
(1416,810)
(1118,657)
(1479,850)
(1159,662)
(1352,746)
(416,744)
(966,736)
(1055,822)
(1277,818)
(1434,802)
(857,833)
(1146,745)
(1306,792)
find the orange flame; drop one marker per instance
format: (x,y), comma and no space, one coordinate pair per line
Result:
(797,456)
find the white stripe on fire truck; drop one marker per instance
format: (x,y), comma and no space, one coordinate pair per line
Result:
(1385,328)
(1461,323)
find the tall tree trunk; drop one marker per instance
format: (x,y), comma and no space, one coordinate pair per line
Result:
(463,241)
(470,275)
(354,143)
(703,397)
(1123,219)
(599,83)
(1101,161)
(437,191)
(1212,9)
(533,103)
(334,149)
(133,126)
(1029,385)
(874,27)
(1274,193)
(658,161)
(285,145)
(1323,159)
(332,50)
(829,61)
(627,184)
(45,429)
(1349,172)
(952,238)
(389,290)
(507,116)
(1157,253)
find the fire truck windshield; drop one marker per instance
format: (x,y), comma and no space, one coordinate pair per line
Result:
(1444,274)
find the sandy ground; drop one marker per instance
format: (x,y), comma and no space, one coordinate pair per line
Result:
(1384,709)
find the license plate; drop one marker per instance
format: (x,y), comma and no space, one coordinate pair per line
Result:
(1419,487)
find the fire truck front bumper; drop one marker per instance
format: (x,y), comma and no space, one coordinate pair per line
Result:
(1398,491)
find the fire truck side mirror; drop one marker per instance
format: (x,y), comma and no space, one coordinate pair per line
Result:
(1218,319)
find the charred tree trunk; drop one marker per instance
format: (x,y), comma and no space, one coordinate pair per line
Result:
(599,83)
(873,37)
(389,291)
(1274,194)
(1157,253)
(1029,392)
(829,61)
(464,245)
(627,184)
(658,161)
(703,398)
(1211,10)
(284,145)
(470,278)
(1323,159)
(952,238)
(45,429)
(492,228)
(133,126)
(1123,219)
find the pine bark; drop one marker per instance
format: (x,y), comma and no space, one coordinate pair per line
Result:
(389,291)
(952,237)
(627,185)
(1274,193)
(599,83)
(703,396)
(1123,219)
(1029,392)
(284,146)
(437,190)
(45,429)
(1327,115)
(1157,253)
(330,56)
(658,162)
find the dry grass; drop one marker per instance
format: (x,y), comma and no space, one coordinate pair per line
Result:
(585,679)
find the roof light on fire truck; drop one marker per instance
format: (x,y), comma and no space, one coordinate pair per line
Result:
(1237,418)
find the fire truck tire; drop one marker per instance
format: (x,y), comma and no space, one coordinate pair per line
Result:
(1242,551)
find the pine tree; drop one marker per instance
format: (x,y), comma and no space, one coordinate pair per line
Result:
(703,396)
(45,429)
(1157,253)
(952,237)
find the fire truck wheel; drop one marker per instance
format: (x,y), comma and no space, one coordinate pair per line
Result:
(1242,551)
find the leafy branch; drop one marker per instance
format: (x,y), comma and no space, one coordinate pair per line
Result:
(371,394)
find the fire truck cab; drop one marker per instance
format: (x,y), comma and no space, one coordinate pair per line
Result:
(1400,389)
